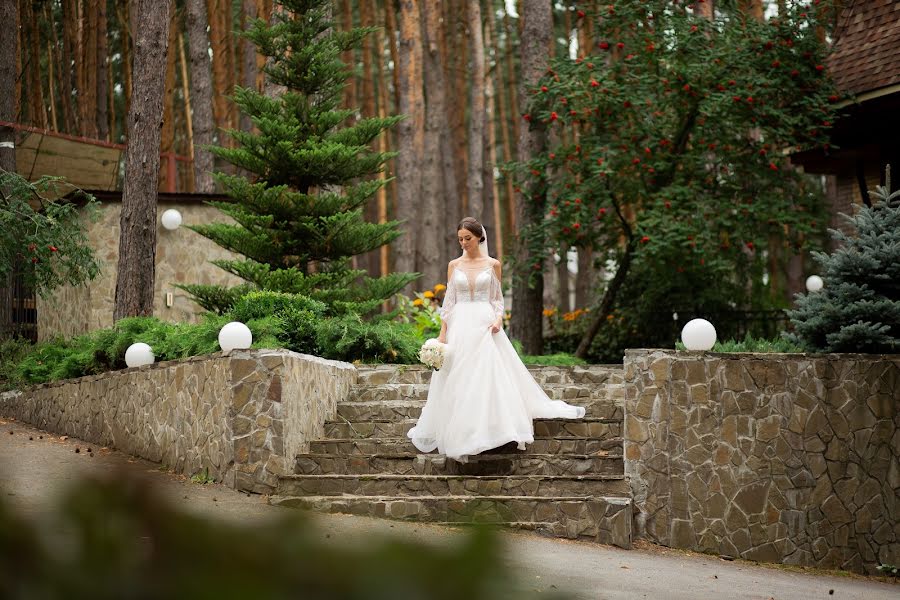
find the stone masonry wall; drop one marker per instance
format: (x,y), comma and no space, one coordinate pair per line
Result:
(182,256)
(772,457)
(244,416)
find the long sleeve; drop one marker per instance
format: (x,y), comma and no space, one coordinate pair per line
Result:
(449,302)
(496,296)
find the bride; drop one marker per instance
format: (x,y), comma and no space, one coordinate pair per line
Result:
(483,396)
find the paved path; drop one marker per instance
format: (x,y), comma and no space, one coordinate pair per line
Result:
(34,468)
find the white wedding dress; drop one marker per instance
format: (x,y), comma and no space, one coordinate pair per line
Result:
(483,396)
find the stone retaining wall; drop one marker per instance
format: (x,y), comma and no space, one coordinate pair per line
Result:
(773,457)
(244,416)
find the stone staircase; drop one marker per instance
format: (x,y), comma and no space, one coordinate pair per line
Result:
(569,483)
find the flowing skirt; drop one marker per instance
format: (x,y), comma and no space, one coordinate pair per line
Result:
(483,396)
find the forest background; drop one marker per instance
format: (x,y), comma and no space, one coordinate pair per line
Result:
(454,67)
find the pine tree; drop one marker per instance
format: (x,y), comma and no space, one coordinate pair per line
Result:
(858,310)
(299,212)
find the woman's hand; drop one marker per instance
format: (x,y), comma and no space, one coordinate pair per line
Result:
(496,326)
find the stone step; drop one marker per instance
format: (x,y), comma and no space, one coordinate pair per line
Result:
(593,374)
(436,464)
(570,392)
(543,428)
(451,485)
(402,410)
(402,445)
(602,519)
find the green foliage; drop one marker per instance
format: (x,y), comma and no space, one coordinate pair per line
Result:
(559,359)
(350,338)
(126,540)
(104,350)
(276,320)
(43,239)
(299,214)
(681,125)
(423,311)
(858,310)
(751,344)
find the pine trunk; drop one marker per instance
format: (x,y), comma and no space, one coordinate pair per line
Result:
(63,73)
(219,63)
(8,72)
(167,142)
(88,94)
(452,199)
(491,204)
(371,260)
(201,93)
(432,246)
(103,107)
(349,57)
(381,197)
(410,135)
(136,272)
(475,183)
(126,39)
(249,69)
(528,283)
(188,139)
(584,282)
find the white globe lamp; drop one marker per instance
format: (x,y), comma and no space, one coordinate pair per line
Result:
(814,283)
(235,336)
(171,219)
(698,334)
(138,355)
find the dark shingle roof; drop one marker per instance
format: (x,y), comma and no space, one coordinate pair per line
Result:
(866,54)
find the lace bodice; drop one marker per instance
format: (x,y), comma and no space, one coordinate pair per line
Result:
(478,284)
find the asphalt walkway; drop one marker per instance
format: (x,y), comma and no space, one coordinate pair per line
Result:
(35,466)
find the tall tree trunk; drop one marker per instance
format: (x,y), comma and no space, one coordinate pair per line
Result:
(167,142)
(349,57)
(248,56)
(8,52)
(201,92)
(450,175)
(188,139)
(490,198)
(136,273)
(475,183)
(381,196)
(217,38)
(63,75)
(434,228)
(126,39)
(528,283)
(34,88)
(102,73)
(512,78)
(461,105)
(88,94)
(410,134)
(585,281)
(503,116)
(371,260)
(563,297)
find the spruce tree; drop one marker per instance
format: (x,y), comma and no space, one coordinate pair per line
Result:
(304,173)
(858,310)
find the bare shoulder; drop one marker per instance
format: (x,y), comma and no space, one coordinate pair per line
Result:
(496,263)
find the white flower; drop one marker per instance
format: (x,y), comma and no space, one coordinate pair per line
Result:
(432,353)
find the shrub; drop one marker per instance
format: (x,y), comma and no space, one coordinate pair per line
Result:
(350,338)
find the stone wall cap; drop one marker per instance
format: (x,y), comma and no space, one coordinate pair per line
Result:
(669,352)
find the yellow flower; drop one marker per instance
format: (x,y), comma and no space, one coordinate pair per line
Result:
(429,294)
(418,302)
(609,317)
(569,316)
(549,312)
(440,288)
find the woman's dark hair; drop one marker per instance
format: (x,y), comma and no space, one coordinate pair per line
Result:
(472,225)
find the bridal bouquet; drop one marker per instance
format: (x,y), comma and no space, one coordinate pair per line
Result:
(432,353)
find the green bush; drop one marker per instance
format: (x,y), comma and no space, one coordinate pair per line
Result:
(751,344)
(351,338)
